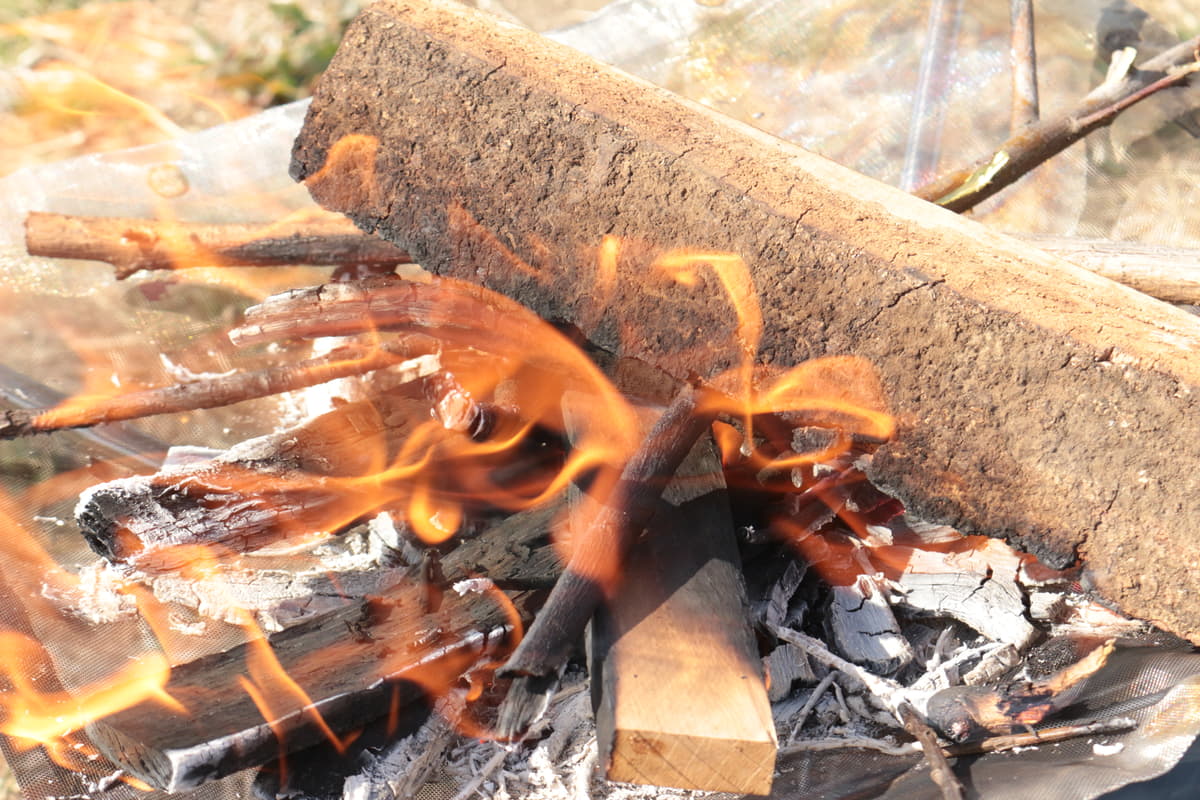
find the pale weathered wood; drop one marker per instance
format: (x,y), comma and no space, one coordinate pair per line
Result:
(1168,273)
(865,630)
(677,682)
(1036,400)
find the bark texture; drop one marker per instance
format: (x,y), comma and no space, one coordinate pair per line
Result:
(1036,401)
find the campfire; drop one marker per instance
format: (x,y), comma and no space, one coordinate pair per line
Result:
(622,439)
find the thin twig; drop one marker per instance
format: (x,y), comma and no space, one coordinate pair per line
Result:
(939,767)
(841,743)
(886,692)
(811,703)
(219,391)
(131,245)
(1044,736)
(965,188)
(1023,55)
(115,442)
(485,772)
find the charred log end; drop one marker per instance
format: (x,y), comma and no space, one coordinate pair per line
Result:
(145,762)
(99,515)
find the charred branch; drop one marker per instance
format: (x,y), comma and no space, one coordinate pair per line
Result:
(354,664)
(604,536)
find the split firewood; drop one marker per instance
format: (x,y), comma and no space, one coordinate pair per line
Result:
(786,665)
(131,245)
(353,665)
(677,683)
(261,492)
(995,608)
(1018,380)
(298,485)
(864,629)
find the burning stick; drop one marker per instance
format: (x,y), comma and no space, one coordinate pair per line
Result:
(131,245)
(597,550)
(221,391)
(1060,733)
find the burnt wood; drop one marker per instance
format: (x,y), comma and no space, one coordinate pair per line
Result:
(354,664)
(1036,401)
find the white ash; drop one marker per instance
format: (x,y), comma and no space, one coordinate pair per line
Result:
(277,592)
(97,596)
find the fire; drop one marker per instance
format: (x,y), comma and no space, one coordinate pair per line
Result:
(34,708)
(421,454)
(39,717)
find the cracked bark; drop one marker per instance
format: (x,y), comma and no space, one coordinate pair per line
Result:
(514,185)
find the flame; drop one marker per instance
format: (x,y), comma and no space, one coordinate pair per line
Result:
(395,453)
(37,717)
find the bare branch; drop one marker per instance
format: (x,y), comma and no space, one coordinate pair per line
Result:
(131,245)
(212,393)
(1023,55)
(963,189)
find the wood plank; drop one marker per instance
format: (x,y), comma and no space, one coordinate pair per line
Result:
(1036,401)
(676,678)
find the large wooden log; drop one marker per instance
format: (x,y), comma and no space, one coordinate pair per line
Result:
(1035,400)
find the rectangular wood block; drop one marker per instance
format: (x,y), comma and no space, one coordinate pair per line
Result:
(677,683)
